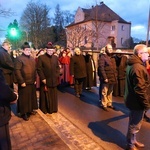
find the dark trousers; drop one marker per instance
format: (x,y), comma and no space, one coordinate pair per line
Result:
(78,83)
(5,143)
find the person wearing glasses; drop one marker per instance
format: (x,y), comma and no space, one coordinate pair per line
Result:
(137,95)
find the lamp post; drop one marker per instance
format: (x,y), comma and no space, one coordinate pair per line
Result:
(148,28)
(27,38)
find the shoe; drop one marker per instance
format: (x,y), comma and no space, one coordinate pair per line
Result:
(77,95)
(139,145)
(104,108)
(33,112)
(25,117)
(112,107)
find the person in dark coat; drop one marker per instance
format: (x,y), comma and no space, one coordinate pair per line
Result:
(6,97)
(78,71)
(48,70)
(137,95)
(108,77)
(121,64)
(6,63)
(90,68)
(25,72)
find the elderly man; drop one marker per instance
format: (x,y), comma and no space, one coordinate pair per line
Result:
(6,63)
(48,70)
(78,71)
(108,77)
(137,96)
(25,71)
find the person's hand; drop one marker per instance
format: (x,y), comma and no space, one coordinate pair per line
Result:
(106,80)
(72,75)
(15,101)
(23,85)
(44,81)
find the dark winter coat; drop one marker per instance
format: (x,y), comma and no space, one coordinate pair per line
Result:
(7,65)
(6,96)
(121,64)
(48,68)
(137,95)
(107,69)
(78,66)
(90,71)
(25,69)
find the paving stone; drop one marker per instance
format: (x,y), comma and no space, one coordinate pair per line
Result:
(34,134)
(50,131)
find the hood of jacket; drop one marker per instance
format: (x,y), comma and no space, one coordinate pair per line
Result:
(133,59)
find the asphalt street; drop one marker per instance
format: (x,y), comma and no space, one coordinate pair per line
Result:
(79,124)
(108,129)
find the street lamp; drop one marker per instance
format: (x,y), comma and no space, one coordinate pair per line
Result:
(27,38)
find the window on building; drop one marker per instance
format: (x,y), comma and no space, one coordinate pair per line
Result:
(122,27)
(113,27)
(121,41)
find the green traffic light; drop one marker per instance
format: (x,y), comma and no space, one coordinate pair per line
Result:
(13,32)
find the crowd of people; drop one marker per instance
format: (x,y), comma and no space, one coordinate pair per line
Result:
(44,70)
(28,70)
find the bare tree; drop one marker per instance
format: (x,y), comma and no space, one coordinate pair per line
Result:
(78,36)
(5,12)
(101,27)
(35,21)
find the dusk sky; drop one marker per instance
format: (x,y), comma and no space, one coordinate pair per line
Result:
(135,12)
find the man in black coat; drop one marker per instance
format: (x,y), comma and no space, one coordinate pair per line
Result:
(108,77)
(6,97)
(6,63)
(78,71)
(48,70)
(137,95)
(25,72)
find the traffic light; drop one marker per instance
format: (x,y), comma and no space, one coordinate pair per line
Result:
(13,32)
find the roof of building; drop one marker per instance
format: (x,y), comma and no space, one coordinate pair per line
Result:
(101,13)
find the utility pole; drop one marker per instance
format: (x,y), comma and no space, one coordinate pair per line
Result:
(147,39)
(27,36)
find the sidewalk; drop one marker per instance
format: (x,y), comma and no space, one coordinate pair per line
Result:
(34,134)
(50,131)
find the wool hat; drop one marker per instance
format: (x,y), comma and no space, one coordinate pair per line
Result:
(25,45)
